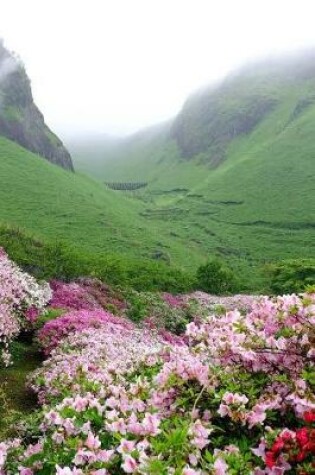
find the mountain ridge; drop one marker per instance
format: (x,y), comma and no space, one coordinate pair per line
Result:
(20,119)
(244,195)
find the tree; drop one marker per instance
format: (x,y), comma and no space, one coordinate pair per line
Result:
(216,277)
(291,275)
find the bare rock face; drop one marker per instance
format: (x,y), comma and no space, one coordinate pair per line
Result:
(20,119)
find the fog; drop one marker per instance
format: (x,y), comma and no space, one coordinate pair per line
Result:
(7,67)
(115,66)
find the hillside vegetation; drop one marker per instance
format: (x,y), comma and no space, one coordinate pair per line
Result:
(54,204)
(231,177)
(151,383)
(233,174)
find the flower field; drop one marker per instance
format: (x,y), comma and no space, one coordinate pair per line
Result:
(232,392)
(21,300)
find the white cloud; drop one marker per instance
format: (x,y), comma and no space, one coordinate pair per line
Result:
(7,67)
(118,65)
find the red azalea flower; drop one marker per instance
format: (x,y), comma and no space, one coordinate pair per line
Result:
(286,436)
(277,446)
(271,459)
(309,416)
(310,446)
(302,436)
(300,456)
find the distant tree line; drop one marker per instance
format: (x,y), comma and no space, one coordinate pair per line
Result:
(126,186)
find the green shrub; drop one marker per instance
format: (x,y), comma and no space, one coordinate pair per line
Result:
(8,414)
(51,314)
(149,275)
(57,260)
(44,260)
(217,278)
(138,306)
(162,314)
(291,275)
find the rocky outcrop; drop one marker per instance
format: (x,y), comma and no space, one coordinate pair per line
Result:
(211,119)
(20,119)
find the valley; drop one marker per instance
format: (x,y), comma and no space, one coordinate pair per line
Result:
(253,205)
(157,289)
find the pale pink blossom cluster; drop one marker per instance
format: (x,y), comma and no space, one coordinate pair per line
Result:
(119,401)
(94,355)
(75,321)
(5,447)
(275,337)
(20,297)
(211,303)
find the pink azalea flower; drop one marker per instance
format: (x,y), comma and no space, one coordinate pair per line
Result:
(92,442)
(130,465)
(151,424)
(25,471)
(220,467)
(126,446)
(190,471)
(105,455)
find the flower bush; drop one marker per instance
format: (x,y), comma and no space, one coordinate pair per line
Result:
(238,398)
(21,300)
(161,311)
(207,303)
(86,294)
(292,447)
(73,322)
(109,298)
(93,357)
(71,296)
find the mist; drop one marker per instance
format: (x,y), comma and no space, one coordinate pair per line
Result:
(115,66)
(7,67)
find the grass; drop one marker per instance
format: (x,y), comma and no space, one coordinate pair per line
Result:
(57,260)
(59,205)
(256,206)
(16,398)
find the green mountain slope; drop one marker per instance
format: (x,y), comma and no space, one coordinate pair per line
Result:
(118,159)
(233,174)
(57,204)
(20,119)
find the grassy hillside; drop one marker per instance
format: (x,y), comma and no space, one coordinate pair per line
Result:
(134,157)
(234,174)
(57,204)
(93,147)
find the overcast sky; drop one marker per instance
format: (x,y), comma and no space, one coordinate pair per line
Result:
(114,66)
